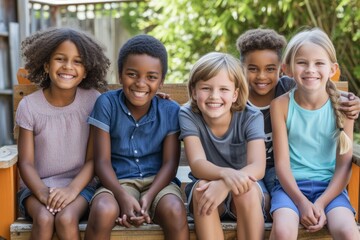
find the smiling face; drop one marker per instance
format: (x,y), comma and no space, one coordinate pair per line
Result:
(312,67)
(262,71)
(141,78)
(214,97)
(65,68)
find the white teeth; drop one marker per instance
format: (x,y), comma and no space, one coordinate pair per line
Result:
(214,105)
(139,94)
(66,76)
(261,84)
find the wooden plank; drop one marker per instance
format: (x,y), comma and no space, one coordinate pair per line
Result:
(8,156)
(8,206)
(20,230)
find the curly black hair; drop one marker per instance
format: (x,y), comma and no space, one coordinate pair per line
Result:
(260,39)
(143,44)
(37,50)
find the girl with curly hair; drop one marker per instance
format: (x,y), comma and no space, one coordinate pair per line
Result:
(55,157)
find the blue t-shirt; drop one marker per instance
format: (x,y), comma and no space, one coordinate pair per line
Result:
(136,146)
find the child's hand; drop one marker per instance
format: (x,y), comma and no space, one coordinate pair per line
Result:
(163,95)
(129,209)
(59,198)
(237,181)
(214,193)
(350,106)
(309,214)
(42,195)
(145,205)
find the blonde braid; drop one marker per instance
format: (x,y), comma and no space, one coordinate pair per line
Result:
(344,142)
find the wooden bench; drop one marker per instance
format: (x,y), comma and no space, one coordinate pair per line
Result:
(20,229)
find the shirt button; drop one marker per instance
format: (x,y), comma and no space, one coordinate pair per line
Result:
(132,137)
(137,160)
(137,125)
(135,151)
(129,113)
(140,175)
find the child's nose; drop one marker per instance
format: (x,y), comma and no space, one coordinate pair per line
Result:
(67,65)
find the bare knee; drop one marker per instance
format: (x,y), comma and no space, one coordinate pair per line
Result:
(346,232)
(196,195)
(44,219)
(170,207)
(66,219)
(104,210)
(248,200)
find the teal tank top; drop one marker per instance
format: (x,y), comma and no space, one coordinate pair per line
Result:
(312,141)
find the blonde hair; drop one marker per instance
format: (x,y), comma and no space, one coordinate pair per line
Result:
(208,66)
(320,38)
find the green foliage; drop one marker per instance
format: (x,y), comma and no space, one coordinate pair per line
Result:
(190,29)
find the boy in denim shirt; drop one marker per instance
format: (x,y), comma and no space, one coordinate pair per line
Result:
(136,148)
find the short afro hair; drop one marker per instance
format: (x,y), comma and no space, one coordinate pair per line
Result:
(143,44)
(260,39)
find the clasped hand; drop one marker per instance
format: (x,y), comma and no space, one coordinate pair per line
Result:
(58,198)
(133,212)
(312,216)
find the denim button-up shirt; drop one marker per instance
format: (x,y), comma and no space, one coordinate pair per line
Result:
(136,146)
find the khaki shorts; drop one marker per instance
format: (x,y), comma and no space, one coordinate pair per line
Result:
(139,187)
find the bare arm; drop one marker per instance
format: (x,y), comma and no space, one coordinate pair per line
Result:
(342,171)
(26,166)
(167,172)
(200,166)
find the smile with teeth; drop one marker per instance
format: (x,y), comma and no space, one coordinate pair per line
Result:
(139,94)
(310,78)
(262,84)
(66,76)
(214,105)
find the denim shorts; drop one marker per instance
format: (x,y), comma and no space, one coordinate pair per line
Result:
(227,214)
(312,191)
(24,193)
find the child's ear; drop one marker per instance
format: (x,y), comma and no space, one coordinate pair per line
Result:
(334,69)
(236,94)
(286,70)
(161,84)
(46,67)
(193,94)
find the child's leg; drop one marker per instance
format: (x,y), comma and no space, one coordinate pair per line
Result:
(171,207)
(67,220)
(250,218)
(285,224)
(341,224)
(43,220)
(206,226)
(285,215)
(103,212)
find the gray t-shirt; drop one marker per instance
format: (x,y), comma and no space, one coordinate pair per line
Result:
(60,134)
(230,149)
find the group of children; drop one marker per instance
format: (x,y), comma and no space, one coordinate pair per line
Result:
(129,139)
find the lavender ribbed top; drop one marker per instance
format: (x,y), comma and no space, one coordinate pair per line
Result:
(60,134)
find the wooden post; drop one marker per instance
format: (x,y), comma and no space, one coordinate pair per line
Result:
(8,187)
(354,186)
